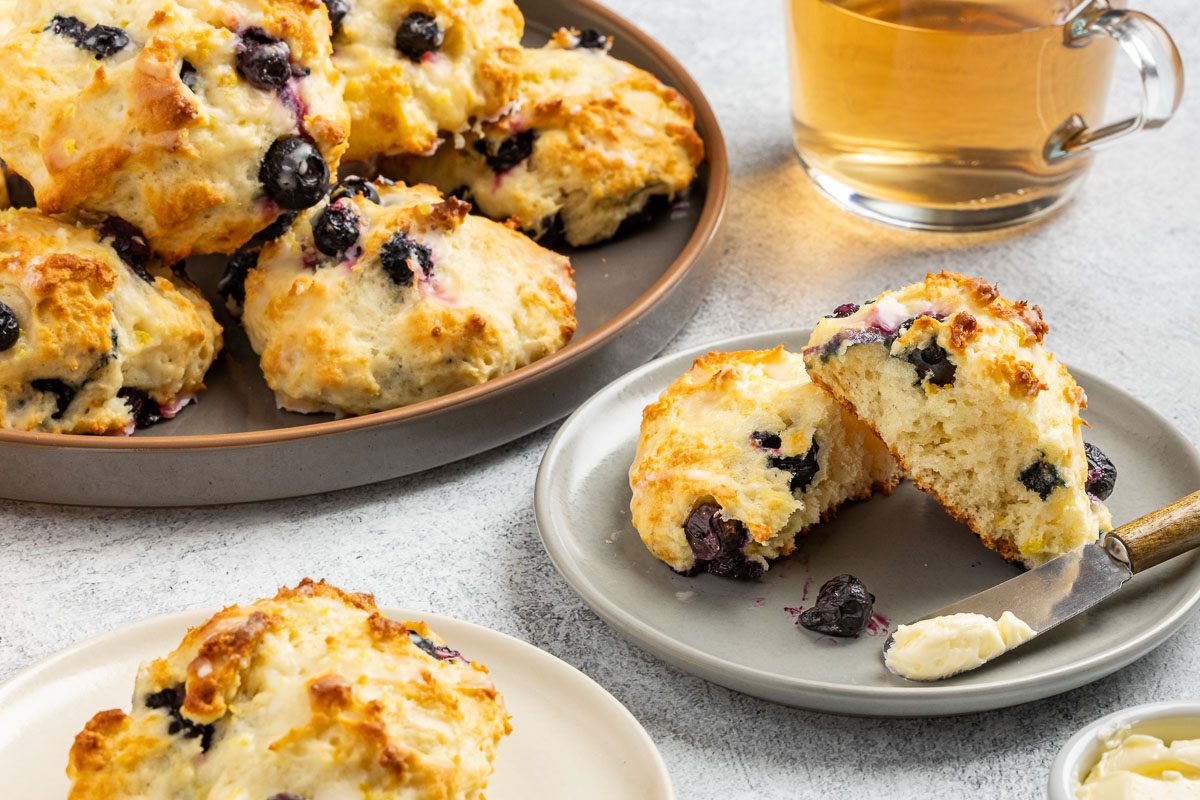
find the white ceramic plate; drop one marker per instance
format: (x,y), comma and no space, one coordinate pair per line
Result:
(913,557)
(570,737)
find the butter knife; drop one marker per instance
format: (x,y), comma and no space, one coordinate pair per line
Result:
(1058,590)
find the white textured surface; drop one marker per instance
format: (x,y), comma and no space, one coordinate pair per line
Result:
(1116,274)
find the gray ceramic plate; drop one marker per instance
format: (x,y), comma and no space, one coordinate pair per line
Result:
(635,293)
(913,556)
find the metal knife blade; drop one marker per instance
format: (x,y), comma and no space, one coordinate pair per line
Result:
(1048,595)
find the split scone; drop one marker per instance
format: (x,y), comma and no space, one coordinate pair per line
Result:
(95,337)
(197,122)
(386,295)
(419,69)
(311,694)
(958,383)
(739,456)
(590,141)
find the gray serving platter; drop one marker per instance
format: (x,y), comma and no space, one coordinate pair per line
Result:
(234,445)
(911,555)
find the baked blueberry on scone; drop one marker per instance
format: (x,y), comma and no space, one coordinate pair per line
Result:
(417,70)
(739,456)
(386,295)
(590,141)
(956,380)
(95,336)
(196,122)
(311,694)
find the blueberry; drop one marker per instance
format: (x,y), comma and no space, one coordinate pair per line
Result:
(129,243)
(803,467)
(338,9)
(418,34)
(354,186)
(336,229)
(932,364)
(398,254)
(509,153)
(10,328)
(844,310)
(438,651)
(63,394)
(286,796)
(1042,477)
(717,543)
(592,39)
(264,60)
(1102,473)
(189,75)
(294,173)
(277,228)
(171,700)
(20,191)
(145,409)
(102,40)
(232,285)
(843,607)
(767,441)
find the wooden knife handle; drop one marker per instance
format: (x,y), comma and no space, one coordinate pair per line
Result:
(1160,535)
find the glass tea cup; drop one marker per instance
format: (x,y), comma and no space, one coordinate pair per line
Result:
(965,114)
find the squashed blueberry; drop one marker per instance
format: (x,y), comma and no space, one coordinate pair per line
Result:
(10,328)
(399,253)
(129,243)
(101,40)
(418,34)
(144,409)
(509,153)
(843,608)
(232,285)
(716,543)
(1102,473)
(767,441)
(438,651)
(171,700)
(354,186)
(264,60)
(1042,477)
(803,467)
(277,228)
(844,310)
(933,364)
(592,39)
(63,394)
(336,229)
(294,174)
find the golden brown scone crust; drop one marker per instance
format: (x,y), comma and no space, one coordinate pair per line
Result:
(89,321)
(607,137)
(704,441)
(1009,406)
(312,692)
(342,335)
(124,135)
(399,106)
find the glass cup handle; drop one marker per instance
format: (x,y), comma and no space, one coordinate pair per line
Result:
(1153,52)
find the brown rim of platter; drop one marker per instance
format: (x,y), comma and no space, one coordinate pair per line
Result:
(717,165)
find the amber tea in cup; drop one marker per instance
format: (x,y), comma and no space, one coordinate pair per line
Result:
(963,114)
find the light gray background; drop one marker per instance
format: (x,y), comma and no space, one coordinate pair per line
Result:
(1116,274)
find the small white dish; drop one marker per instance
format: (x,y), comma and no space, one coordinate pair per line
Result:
(570,737)
(1168,721)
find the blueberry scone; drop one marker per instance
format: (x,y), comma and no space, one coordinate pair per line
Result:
(590,141)
(742,454)
(957,381)
(311,694)
(386,295)
(95,336)
(198,122)
(418,70)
